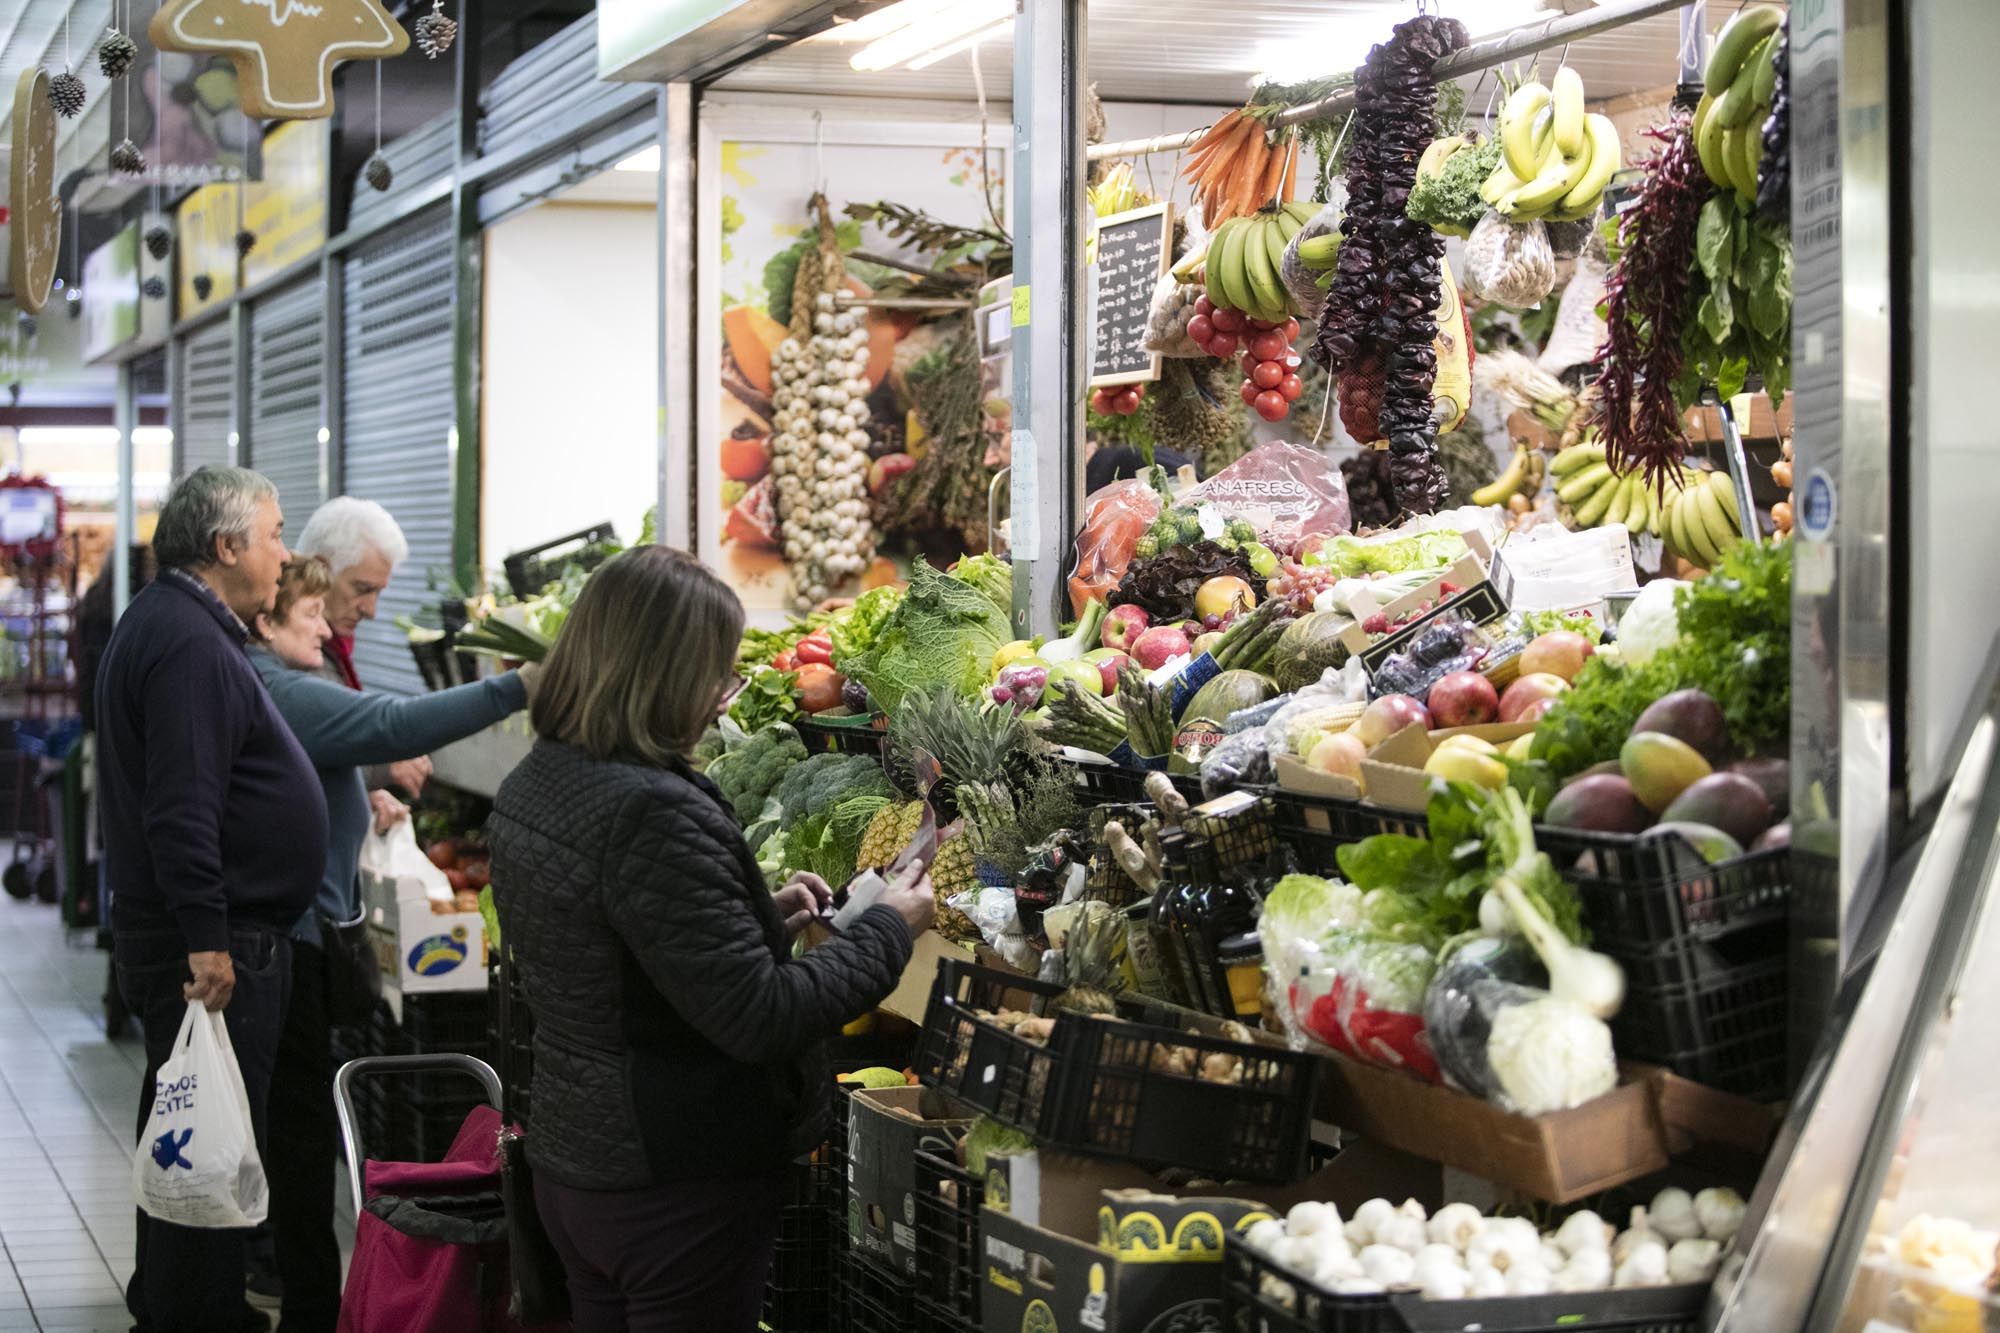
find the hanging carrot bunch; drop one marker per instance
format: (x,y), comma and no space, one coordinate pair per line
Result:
(1241,165)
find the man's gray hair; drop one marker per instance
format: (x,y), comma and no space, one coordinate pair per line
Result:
(208,503)
(344,530)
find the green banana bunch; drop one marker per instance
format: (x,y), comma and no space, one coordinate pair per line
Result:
(1241,270)
(1739,84)
(1695,515)
(1555,160)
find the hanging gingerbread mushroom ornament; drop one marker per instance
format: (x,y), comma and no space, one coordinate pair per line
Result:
(284,52)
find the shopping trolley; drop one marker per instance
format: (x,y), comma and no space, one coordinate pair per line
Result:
(431,1238)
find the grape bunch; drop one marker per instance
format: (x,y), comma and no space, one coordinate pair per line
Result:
(1271,370)
(1120,400)
(1300,584)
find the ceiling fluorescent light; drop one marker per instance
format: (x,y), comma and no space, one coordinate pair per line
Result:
(931,57)
(646,159)
(881,22)
(935,30)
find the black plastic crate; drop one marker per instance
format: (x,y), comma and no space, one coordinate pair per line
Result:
(933,1318)
(1262,1296)
(859,735)
(874,1300)
(949,1269)
(799,1296)
(1727,1029)
(1317,827)
(447,1021)
(1007,1076)
(1114,784)
(1118,1102)
(1643,892)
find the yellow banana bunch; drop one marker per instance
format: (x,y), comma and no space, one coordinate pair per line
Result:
(1740,82)
(1555,160)
(1241,271)
(1118,192)
(1695,515)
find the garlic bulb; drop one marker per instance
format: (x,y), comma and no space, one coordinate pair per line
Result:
(1438,1254)
(1693,1260)
(1554,1257)
(1265,1236)
(1359,1286)
(1644,1266)
(1487,1283)
(1455,1225)
(1583,1231)
(1367,1218)
(1639,1233)
(1720,1213)
(1672,1215)
(1443,1281)
(1587,1270)
(1297,1253)
(1387,1265)
(1308,1218)
(1503,1247)
(1411,1208)
(1332,1259)
(1529,1280)
(1403,1232)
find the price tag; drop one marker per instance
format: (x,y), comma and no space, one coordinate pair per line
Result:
(1021,307)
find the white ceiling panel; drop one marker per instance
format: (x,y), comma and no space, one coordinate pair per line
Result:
(1199,51)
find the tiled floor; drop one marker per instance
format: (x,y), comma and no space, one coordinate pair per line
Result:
(68,1098)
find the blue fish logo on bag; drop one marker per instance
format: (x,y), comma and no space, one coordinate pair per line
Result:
(167,1150)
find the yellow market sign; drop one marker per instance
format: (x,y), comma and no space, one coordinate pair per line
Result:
(286,211)
(205,247)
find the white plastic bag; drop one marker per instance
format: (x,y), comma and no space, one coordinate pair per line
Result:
(197,1163)
(395,856)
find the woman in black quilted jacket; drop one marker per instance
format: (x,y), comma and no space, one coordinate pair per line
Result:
(679,1068)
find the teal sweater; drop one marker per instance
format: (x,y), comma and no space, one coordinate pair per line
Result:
(341,730)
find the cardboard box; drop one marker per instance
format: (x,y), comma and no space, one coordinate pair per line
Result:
(912,995)
(886,1129)
(1393,773)
(420,951)
(1566,569)
(1295,774)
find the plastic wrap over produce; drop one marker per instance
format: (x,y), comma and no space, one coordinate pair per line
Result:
(1114,518)
(1285,491)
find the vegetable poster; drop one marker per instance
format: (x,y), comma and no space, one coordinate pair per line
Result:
(913,220)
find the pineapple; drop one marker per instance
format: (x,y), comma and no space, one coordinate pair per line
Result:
(955,871)
(1093,960)
(970,743)
(889,833)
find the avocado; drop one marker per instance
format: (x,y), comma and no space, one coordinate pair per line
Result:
(1601,803)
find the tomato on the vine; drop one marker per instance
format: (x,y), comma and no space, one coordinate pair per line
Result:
(1291,386)
(1267,374)
(1271,405)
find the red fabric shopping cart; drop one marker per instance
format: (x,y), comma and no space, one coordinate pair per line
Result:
(430,1244)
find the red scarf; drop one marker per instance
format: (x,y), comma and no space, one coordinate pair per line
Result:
(341,650)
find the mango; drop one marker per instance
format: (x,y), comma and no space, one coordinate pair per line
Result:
(1660,767)
(1690,716)
(1714,845)
(1600,803)
(1727,801)
(1774,777)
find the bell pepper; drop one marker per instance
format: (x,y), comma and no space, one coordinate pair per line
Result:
(785,661)
(816,647)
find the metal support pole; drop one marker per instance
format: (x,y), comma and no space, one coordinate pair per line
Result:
(674,519)
(126,527)
(1739,470)
(1048,340)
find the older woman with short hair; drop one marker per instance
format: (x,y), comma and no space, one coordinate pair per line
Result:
(341,730)
(679,1067)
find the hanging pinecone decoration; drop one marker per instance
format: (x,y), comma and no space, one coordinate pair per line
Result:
(116,53)
(127,158)
(155,287)
(246,241)
(66,94)
(159,241)
(28,326)
(203,285)
(377,173)
(435,32)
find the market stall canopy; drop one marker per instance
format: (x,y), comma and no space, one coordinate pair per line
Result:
(1215,52)
(647,40)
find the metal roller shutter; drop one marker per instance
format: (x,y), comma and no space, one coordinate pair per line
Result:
(206,385)
(286,352)
(396,415)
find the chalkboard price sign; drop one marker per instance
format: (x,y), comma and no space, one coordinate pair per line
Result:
(1133,250)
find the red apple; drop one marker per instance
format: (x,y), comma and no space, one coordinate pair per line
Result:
(1535,711)
(1387,716)
(1528,691)
(1109,667)
(1159,645)
(886,469)
(1123,624)
(1463,699)
(1560,652)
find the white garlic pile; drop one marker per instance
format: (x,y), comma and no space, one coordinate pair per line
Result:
(1458,1252)
(819,452)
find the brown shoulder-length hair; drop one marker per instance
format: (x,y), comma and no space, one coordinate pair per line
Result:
(303,576)
(642,659)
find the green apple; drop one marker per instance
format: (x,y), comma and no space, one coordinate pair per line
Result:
(1086,675)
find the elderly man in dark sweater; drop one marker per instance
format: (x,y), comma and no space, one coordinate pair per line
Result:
(215,837)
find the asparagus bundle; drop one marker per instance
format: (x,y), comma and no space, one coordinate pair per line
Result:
(1149,713)
(1083,720)
(1251,638)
